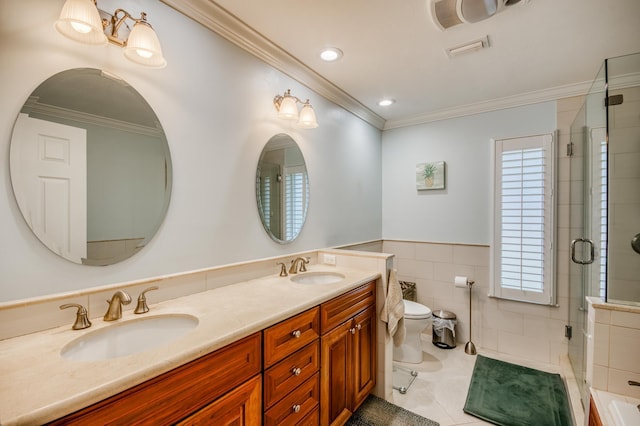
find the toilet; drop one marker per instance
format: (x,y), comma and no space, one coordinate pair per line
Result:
(417,317)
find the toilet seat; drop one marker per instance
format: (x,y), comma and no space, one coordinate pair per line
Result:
(413,310)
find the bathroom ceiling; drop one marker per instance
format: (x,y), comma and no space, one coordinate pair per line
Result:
(539,50)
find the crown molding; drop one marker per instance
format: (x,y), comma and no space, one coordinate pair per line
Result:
(32,106)
(545,95)
(228,26)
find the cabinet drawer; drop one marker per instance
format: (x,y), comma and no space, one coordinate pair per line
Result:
(282,377)
(336,311)
(295,406)
(179,392)
(290,335)
(311,419)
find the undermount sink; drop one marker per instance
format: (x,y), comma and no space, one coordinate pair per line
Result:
(317,278)
(129,337)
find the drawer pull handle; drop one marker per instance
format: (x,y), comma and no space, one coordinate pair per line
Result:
(296,334)
(296,371)
(296,408)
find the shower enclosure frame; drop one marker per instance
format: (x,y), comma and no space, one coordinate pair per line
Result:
(596,231)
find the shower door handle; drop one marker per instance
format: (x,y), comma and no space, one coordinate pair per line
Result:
(592,251)
(635,243)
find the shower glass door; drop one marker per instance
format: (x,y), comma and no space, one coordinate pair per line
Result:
(588,219)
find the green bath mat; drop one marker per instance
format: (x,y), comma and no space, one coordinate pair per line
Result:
(512,395)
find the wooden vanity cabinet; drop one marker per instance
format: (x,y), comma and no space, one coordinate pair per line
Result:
(348,353)
(223,387)
(594,416)
(319,366)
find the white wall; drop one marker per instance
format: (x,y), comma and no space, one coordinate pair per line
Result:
(215,104)
(461,212)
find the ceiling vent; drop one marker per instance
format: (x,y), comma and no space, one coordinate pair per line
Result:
(469,47)
(447,13)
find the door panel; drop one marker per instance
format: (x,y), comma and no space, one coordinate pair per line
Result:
(365,355)
(50,165)
(335,382)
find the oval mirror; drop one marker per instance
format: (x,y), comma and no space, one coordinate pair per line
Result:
(282,188)
(90,167)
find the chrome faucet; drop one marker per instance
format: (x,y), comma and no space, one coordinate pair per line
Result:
(294,269)
(115,305)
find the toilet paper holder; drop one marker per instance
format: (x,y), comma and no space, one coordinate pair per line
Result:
(469,347)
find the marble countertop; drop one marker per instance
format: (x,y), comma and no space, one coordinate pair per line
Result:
(38,385)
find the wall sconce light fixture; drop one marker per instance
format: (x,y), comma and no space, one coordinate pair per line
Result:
(82,21)
(287,106)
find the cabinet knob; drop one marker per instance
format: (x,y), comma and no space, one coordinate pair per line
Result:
(296,408)
(296,371)
(358,327)
(296,334)
(352,330)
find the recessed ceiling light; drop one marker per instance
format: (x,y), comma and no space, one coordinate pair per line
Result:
(331,54)
(386,102)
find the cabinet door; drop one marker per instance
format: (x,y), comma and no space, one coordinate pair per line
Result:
(364,355)
(241,406)
(336,379)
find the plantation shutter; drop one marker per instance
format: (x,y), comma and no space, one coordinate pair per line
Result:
(524,210)
(295,202)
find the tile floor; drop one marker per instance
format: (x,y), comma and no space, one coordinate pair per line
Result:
(440,389)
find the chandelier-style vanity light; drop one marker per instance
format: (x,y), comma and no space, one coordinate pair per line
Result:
(287,106)
(82,21)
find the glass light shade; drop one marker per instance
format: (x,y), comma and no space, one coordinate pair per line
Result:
(288,108)
(143,46)
(307,117)
(80,21)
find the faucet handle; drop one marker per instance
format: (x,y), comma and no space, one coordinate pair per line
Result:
(283,269)
(142,306)
(82,319)
(303,264)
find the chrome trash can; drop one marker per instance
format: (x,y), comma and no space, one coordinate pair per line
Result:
(444,332)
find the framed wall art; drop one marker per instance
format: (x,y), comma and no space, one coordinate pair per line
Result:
(430,175)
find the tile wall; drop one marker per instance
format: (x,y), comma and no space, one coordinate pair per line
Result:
(524,330)
(613,347)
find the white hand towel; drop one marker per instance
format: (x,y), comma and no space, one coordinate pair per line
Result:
(393,310)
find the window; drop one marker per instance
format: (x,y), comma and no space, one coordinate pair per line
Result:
(522,251)
(598,202)
(295,200)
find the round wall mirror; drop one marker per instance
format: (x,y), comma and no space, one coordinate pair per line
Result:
(282,188)
(90,167)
